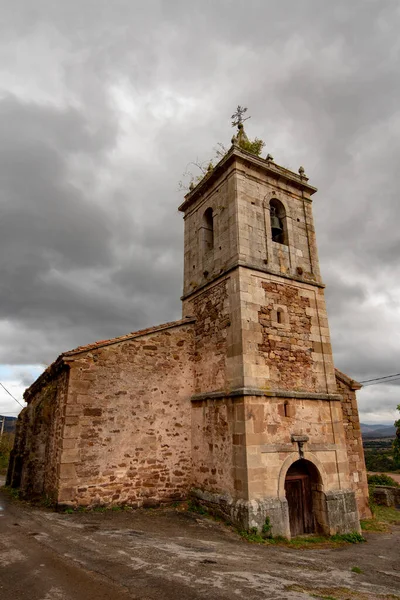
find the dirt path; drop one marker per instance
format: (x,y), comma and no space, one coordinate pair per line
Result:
(175,555)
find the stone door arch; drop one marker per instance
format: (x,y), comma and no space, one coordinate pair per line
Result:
(305,498)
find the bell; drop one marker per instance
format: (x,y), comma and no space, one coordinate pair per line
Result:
(276,225)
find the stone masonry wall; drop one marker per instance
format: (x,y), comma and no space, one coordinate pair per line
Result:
(201,265)
(355,450)
(255,189)
(36,455)
(286,345)
(270,424)
(286,341)
(216,448)
(211,309)
(127,431)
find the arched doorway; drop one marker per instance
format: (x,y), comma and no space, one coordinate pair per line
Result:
(305,498)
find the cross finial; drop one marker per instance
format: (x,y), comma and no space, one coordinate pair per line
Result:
(237,117)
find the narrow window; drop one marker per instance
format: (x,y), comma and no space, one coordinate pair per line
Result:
(286,408)
(278,222)
(279,315)
(208,230)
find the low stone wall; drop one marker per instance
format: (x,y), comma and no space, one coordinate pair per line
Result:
(386,495)
(340,514)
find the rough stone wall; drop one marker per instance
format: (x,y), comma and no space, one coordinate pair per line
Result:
(36,455)
(286,345)
(211,309)
(218,451)
(355,450)
(286,340)
(127,430)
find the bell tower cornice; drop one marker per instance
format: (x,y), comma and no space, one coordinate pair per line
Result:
(267,167)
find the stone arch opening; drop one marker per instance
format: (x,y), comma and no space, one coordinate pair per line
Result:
(305,498)
(208,230)
(279,230)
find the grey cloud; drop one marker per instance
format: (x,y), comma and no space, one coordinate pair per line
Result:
(90,238)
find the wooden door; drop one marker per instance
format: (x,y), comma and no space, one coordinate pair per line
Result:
(299,498)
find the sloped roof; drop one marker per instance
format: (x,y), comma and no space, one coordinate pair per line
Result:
(351,383)
(59,364)
(128,336)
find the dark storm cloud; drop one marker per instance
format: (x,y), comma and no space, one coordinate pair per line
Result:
(102,106)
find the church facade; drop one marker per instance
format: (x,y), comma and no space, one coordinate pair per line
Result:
(238,403)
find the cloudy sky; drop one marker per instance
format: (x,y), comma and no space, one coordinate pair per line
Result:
(103,104)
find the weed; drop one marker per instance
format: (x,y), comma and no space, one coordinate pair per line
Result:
(352,538)
(99,508)
(12,492)
(69,511)
(266,530)
(195,507)
(356,570)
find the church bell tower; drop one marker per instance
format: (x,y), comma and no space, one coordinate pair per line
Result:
(267,429)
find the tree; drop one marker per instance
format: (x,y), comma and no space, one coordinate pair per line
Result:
(396,443)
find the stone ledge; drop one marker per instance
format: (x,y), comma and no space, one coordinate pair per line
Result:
(247,265)
(268,393)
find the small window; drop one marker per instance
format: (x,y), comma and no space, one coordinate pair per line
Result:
(286,408)
(278,222)
(208,230)
(279,315)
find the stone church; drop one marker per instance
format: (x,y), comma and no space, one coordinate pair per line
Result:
(238,403)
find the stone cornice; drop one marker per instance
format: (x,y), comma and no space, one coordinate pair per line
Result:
(245,265)
(245,391)
(267,166)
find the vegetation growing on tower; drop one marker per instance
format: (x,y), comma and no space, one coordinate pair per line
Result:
(201,169)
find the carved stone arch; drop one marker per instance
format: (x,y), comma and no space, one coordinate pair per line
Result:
(287,463)
(301,486)
(282,199)
(208,229)
(279,216)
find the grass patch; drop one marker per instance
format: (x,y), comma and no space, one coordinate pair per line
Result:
(382,479)
(383,517)
(356,570)
(387,514)
(373,525)
(351,538)
(197,508)
(303,541)
(13,493)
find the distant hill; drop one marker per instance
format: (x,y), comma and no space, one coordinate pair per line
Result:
(9,425)
(377,431)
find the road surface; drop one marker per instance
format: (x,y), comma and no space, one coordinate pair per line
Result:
(172,554)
